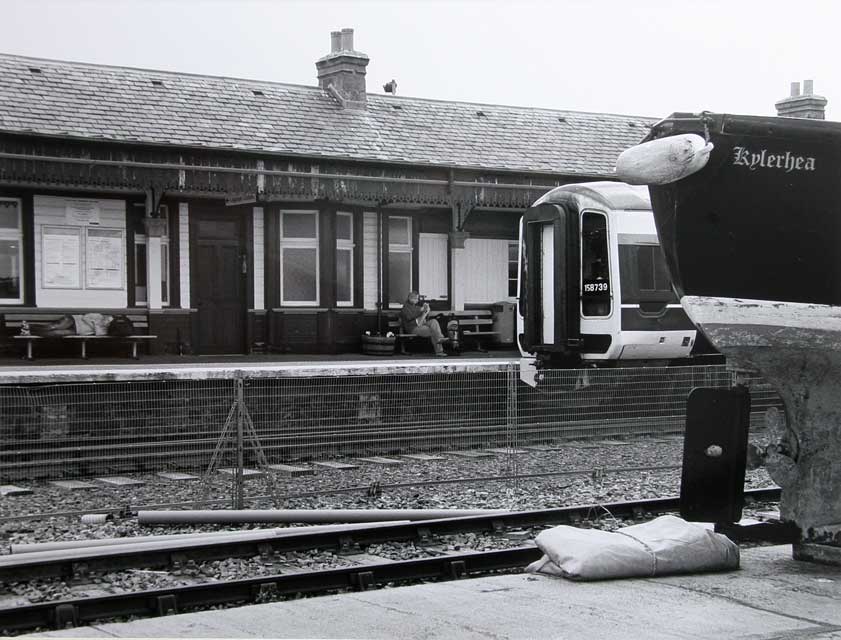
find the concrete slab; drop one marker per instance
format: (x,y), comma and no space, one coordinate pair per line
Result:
(12,490)
(72,485)
(290,470)
(176,475)
(246,473)
(772,596)
(120,481)
(387,462)
(423,457)
(471,454)
(341,466)
(506,450)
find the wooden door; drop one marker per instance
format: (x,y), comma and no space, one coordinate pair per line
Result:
(218,282)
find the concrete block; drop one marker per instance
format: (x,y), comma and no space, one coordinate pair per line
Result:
(423,457)
(246,473)
(12,490)
(72,485)
(471,454)
(389,462)
(120,481)
(291,470)
(341,466)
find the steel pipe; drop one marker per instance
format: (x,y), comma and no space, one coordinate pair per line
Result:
(216,536)
(304,515)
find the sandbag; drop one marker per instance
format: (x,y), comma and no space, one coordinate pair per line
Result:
(665,545)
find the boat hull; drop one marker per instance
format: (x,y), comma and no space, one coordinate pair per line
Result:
(753,245)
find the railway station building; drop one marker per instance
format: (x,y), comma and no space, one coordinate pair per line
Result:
(242,216)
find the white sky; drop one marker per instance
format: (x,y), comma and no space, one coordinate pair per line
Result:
(637,57)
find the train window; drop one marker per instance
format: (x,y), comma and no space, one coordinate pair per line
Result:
(644,275)
(595,271)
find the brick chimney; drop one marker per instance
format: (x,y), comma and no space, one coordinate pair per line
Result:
(807,105)
(342,72)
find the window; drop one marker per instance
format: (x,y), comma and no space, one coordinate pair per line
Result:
(399,258)
(299,270)
(513,267)
(140,265)
(595,272)
(644,274)
(344,259)
(11,251)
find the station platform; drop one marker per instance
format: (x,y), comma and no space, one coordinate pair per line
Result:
(771,596)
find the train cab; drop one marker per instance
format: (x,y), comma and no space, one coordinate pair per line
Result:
(593,284)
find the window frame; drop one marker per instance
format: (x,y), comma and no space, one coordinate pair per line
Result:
(16,235)
(140,239)
(607,266)
(346,245)
(515,245)
(401,248)
(300,243)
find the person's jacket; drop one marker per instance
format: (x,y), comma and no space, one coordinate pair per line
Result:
(409,315)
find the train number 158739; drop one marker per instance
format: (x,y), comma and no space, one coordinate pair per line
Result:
(596,287)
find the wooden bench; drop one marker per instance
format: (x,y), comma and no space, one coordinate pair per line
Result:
(13,321)
(473,325)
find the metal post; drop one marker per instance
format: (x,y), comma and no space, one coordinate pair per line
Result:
(238,478)
(512,439)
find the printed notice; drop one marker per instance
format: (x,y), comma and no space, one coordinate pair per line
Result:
(82,212)
(61,252)
(104,259)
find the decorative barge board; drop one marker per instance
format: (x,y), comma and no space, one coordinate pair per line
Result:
(752,237)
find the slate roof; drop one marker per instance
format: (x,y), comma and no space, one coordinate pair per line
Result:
(90,101)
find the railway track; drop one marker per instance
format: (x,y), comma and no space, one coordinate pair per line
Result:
(80,564)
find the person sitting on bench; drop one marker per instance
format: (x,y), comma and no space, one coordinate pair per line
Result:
(87,324)
(413,319)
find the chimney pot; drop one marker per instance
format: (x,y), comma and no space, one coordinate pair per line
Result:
(335,41)
(807,87)
(347,39)
(795,89)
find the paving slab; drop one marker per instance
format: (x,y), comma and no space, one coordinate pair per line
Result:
(772,596)
(12,490)
(291,470)
(246,473)
(120,481)
(387,462)
(177,475)
(342,466)
(423,457)
(72,485)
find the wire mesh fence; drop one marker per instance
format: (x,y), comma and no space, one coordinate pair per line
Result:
(78,430)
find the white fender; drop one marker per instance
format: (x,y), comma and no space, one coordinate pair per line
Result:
(663,160)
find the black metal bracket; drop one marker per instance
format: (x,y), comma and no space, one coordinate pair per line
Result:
(774,532)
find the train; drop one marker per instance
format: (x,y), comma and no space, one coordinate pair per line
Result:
(593,287)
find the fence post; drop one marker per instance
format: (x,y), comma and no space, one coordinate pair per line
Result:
(239,490)
(512,426)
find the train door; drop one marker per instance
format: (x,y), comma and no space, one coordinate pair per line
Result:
(599,322)
(549,277)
